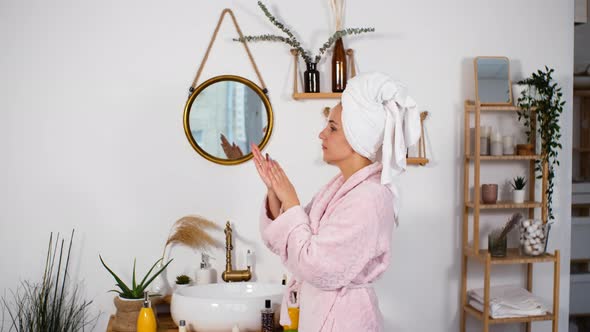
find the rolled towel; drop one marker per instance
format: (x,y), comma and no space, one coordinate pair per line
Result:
(380,122)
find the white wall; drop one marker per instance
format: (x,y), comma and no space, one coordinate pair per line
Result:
(91,99)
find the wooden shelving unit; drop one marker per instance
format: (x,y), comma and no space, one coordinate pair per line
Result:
(471,214)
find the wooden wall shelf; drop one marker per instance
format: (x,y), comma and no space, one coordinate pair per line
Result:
(417,161)
(316,95)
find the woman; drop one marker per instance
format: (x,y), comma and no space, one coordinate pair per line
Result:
(339,243)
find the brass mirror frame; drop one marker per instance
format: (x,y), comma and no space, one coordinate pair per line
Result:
(510,101)
(199,89)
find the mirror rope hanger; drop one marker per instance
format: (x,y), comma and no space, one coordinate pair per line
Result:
(225,11)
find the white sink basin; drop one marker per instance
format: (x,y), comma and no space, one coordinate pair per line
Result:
(218,307)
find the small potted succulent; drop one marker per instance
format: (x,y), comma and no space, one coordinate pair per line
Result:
(182,281)
(518,184)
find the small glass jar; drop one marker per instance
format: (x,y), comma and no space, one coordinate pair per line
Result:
(533,237)
(497,247)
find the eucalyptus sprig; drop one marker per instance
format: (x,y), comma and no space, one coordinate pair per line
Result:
(292,41)
(543,100)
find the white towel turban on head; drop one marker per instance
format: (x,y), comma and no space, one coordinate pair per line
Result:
(380,121)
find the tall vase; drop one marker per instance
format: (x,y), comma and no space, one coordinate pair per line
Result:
(339,67)
(311,78)
(160,285)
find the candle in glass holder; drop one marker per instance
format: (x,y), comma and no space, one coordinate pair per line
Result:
(484,138)
(496,144)
(508,145)
(496,137)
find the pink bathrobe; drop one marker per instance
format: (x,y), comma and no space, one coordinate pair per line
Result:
(335,248)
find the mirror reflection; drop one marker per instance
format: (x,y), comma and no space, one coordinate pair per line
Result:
(493,80)
(225,115)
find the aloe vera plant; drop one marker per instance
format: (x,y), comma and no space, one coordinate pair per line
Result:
(136,290)
(518,183)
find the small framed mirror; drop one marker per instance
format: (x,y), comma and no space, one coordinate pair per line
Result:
(492,80)
(224,115)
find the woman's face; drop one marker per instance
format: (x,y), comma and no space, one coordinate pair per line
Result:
(335,147)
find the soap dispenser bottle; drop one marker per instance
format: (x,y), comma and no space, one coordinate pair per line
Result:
(293,311)
(182,326)
(146,321)
(268,317)
(203,275)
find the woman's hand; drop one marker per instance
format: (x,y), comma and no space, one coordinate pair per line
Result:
(232,151)
(262,166)
(282,186)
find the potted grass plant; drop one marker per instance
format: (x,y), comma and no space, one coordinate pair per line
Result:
(129,300)
(55,303)
(518,184)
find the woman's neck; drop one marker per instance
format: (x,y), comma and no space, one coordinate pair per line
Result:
(349,167)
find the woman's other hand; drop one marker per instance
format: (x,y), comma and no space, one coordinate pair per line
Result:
(282,186)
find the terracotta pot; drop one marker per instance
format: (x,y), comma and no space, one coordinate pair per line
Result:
(525,149)
(127,312)
(489,193)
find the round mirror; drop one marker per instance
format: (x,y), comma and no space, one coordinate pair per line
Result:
(224,115)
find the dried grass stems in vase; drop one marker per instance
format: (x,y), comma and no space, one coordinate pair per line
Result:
(497,241)
(292,41)
(192,231)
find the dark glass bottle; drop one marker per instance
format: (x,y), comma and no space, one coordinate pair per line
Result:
(339,67)
(311,78)
(268,318)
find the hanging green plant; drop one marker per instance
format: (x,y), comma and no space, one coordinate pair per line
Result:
(542,99)
(291,40)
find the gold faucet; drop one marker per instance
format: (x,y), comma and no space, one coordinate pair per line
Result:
(229,274)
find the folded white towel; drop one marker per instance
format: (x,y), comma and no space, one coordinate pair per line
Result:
(508,301)
(502,312)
